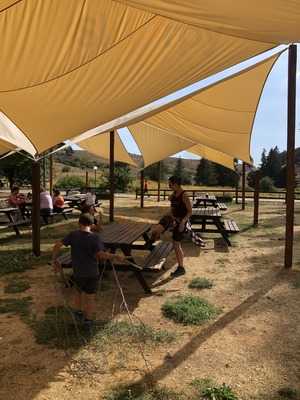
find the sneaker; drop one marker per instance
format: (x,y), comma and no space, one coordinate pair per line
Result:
(78,315)
(178,272)
(88,325)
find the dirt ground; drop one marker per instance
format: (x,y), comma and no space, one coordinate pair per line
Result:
(253,344)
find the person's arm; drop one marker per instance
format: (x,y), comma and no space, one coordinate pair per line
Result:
(188,205)
(104,255)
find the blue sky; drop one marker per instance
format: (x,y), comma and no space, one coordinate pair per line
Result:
(270,123)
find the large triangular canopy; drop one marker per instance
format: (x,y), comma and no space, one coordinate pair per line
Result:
(220,117)
(100,146)
(68,66)
(167,145)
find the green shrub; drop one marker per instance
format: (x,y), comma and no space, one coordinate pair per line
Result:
(16,306)
(200,283)
(207,389)
(16,287)
(138,392)
(189,310)
(71,181)
(267,184)
(289,393)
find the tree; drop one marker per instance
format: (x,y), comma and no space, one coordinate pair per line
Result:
(17,169)
(123,177)
(152,171)
(263,163)
(225,176)
(179,172)
(205,173)
(273,164)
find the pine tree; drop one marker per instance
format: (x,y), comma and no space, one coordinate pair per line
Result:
(178,170)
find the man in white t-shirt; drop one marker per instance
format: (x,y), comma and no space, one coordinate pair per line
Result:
(46,204)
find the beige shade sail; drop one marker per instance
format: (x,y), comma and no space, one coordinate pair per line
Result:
(156,144)
(68,66)
(274,21)
(12,135)
(213,155)
(219,117)
(100,146)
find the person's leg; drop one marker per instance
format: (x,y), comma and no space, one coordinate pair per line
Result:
(177,238)
(76,302)
(179,253)
(89,306)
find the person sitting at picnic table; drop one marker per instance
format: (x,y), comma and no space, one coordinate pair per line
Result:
(97,216)
(177,218)
(46,204)
(58,201)
(86,250)
(17,199)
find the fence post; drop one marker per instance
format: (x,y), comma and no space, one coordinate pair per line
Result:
(142,188)
(243,186)
(256,198)
(164,195)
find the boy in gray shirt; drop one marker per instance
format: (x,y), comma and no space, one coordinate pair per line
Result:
(86,250)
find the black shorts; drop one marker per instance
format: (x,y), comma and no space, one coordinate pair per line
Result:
(86,285)
(177,236)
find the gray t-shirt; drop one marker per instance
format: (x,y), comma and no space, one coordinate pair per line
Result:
(84,247)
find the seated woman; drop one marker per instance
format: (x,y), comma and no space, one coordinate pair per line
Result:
(58,201)
(17,199)
(46,204)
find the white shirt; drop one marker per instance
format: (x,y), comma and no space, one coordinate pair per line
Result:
(46,200)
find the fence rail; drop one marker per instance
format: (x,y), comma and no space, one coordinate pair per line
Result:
(164,193)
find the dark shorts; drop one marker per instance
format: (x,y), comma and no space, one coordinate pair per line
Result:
(86,285)
(177,236)
(169,223)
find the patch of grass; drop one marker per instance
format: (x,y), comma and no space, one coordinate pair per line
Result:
(137,392)
(59,329)
(16,306)
(189,310)
(137,332)
(16,286)
(200,283)
(289,393)
(208,390)
(296,284)
(19,261)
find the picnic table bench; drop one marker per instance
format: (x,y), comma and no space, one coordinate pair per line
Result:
(212,216)
(205,201)
(124,237)
(15,219)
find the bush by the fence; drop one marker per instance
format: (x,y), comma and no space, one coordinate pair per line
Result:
(70,181)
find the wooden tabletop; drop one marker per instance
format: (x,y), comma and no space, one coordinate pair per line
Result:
(203,197)
(206,212)
(124,233)
(8,210)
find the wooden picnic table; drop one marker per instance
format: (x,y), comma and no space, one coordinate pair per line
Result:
(123,236)
(209,216)
(205,201)
(12,213)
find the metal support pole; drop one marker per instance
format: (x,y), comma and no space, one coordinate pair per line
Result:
(142,188)
(243,186)
(44,172)
(158,181)
(86,179)
(290,155)
(111,174)
(51,173)
(35,214)
(256,199)
(237,193)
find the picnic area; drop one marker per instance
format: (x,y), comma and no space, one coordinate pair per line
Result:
(250,344)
